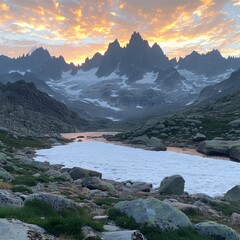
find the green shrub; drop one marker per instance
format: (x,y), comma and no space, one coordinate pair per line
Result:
(21,188)
(25,180)
(67,222)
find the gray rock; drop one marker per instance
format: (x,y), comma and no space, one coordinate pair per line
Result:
(154,212)
(141,186)
(199,137)
(3,157)
(5,175)
(172,185)
(216,231)
(235,123)
(14,229)
(235,219)
(234,152)
(97,183)
(57,202)
(10,199)
(78,173)
(212,147)
(233,194)
(123,235)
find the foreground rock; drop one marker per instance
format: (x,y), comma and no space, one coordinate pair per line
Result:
(233,194)
(172,185)
(57,202)
(216,231)
(15,229)
(123,235)
(9,199)
(154,212)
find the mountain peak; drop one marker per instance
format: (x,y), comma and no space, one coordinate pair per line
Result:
(114,46)
(40,54)
(136,37)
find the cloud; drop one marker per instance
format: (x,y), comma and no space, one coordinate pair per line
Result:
(77,29)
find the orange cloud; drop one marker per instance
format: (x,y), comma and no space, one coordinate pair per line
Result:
(85,27)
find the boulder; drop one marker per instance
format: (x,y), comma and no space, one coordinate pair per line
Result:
(154,212)
(233,195)
(172,185)
(235,219)
(234,152)
(216,231)
(153,142)
(15,229)
(5,175)
(3,157)
(199,137)
(97,183)
(123,235)
(9,199)
(141,186)
(235,124)
(214,147)
(57,202)
(78,173)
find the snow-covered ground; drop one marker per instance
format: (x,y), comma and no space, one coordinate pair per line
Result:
(202,175)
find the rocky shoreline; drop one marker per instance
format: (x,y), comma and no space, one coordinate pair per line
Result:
(25,180)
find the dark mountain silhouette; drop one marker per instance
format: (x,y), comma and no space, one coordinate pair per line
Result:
(209,64)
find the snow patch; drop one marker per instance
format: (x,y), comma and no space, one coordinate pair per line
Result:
(101,103)
(119,163)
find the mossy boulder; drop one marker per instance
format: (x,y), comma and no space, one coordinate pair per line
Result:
(154,212)
(216,231)
(96,183)
(172,185)
(233,195)
(6,176)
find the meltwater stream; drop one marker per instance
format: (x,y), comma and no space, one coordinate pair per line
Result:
(120,163)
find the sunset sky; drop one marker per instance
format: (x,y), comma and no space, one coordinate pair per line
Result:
(79,28)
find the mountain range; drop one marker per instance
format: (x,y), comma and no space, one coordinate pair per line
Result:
(135,81)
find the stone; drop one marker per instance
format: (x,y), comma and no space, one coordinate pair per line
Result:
(5,175)
(15,229)
(172,185)
(97,183)
(216,231)
(234,152)
(235,219)
(89,233)
(235,123)
(213,147)
(141,186)
(233,195)
(9,199)
(199,137)
(56,201)
(123,235)
(154,212)
(3,157)
(79,173)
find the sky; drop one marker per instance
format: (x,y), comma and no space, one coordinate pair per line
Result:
(77,29)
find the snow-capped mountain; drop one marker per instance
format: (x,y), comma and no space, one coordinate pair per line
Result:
(130,81)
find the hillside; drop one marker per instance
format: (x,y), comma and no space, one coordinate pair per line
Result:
(26,110)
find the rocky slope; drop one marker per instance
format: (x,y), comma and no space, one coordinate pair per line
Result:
(216,119)
(26,110)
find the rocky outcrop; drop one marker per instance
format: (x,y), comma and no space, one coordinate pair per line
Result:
(235,219)
(5,175)
(57,202)
(219,147)
(154,212)
(15,229)
(233,194)
(172,185)
(216,231)
(97,183)
(80,173)
(153,143)
(9,199)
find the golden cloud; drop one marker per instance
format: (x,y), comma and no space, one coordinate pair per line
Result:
(85,27)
